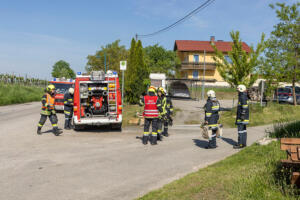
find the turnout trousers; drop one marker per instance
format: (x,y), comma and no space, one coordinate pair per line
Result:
(242,134)
(68,119)
(52,118)
(153,138)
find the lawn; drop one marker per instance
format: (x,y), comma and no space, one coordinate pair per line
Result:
(222,93)
(253,173)
(130,112)
(264,115)
(12,94)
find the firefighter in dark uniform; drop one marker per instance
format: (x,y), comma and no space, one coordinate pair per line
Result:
(48,110)
(212,108)
(68,108)
(165,108)
(151,115)
(161,106)
(242,117)
(169,109)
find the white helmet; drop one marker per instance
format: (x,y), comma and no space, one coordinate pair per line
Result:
(241,88)
(71,90)
(211,94)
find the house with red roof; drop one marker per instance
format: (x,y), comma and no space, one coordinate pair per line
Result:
(196,56)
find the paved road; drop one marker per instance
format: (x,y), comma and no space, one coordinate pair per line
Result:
(96,164)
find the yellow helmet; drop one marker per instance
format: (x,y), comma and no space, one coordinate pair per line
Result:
(50,87)
(161,90)
(152,89)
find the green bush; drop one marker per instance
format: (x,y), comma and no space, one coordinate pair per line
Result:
(12,94)
(284,129)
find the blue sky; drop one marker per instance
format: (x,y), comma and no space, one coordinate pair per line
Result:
(34,34)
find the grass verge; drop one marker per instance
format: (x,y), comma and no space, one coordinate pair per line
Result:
(222,93)
(12,94)
(130,112)
(253,173)
(272,113)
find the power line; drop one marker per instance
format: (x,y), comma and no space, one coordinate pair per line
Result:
(195,11)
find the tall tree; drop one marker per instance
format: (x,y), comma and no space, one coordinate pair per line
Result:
(62,69)
(143,71)
(282,53)
(113,52)
(130,74)
(242,65)
(137,74)
(160,60)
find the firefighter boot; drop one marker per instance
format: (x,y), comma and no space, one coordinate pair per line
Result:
(67,126)
(56,131)
(165,133)
(70,124)
(39,131)
(153,140)
(145,139)
(159,137)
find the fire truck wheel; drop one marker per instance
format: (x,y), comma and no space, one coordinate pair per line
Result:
(78,127)
(117,127)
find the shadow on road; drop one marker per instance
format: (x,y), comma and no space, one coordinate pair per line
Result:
(200,143)
(229,141)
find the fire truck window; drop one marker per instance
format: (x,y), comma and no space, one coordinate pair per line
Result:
(62,88)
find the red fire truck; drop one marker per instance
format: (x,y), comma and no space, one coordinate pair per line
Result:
(97,100)
(62,86)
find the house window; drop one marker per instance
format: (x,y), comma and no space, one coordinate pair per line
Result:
(195,74)
(196,58)
(186,58)
(228,59)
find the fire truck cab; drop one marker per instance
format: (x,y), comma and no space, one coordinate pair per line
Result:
(97,100)
(62,86)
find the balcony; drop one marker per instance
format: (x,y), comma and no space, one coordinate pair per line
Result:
(198,65)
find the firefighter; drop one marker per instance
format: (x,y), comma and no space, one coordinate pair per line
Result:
(165,108)
(242,117)
(212,108)
(48,102)
(161,106)
(68,108)
(150,101)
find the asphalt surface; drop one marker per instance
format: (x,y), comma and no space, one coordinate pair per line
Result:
(99,164)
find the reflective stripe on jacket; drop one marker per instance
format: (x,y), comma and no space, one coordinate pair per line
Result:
(150,108)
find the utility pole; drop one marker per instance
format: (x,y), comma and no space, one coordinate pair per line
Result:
(105,61)
(203,82)
(136,37)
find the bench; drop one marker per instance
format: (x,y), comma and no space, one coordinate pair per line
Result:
(292,148)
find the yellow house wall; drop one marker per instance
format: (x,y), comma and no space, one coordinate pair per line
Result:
(210,74)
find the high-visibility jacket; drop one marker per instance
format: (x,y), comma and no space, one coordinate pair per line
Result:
(150,106)
(48,102)
(242,109)
(161,105)
(212,108)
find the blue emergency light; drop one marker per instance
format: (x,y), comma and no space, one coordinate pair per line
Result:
(114,72)
(71,80)
(54,79)
(78,73)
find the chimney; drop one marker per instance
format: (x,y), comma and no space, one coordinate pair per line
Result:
(212,38)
